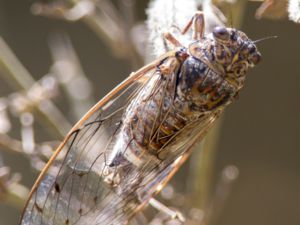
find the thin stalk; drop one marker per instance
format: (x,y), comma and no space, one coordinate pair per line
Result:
(21,80)
(16,195)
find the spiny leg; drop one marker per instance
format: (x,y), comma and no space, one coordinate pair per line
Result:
(170,38)
(198,26)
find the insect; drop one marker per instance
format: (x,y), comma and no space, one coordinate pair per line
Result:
(128,146)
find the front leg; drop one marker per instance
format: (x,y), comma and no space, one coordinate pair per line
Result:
(197,24)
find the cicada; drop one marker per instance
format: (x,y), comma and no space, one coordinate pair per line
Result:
(128,146)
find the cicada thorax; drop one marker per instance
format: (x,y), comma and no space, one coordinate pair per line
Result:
(201,88)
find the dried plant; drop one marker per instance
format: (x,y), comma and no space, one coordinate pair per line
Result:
(279,9)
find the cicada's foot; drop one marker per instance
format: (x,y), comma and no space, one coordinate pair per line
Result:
(111,176)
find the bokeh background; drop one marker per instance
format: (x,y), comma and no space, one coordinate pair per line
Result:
(260,133)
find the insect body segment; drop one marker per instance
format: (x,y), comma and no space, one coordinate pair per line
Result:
(129,145)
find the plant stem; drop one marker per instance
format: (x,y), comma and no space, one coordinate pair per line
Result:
(21,80)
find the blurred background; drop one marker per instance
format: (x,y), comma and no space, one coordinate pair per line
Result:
(259,133)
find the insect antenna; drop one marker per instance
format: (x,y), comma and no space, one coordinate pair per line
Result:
(264,38)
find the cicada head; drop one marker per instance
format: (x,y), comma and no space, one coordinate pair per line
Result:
(229,52)
(234,52)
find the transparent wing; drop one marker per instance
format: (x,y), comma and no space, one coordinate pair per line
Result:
(69,186)
(72,190)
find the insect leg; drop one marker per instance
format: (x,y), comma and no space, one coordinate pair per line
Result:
(169,37)
(162,208)
(197,24)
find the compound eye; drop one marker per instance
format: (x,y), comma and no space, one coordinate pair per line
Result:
(255,58)
(221,33)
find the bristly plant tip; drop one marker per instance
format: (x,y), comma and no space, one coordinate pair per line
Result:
(294,10)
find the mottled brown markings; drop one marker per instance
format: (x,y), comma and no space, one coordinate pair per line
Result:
(160,133)
(137,121)
(156,132)
(67,221)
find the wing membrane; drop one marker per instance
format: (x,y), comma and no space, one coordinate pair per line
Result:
(71,189)
(68,188)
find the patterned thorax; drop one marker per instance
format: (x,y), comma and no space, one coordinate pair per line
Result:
(229,52)
(216,69)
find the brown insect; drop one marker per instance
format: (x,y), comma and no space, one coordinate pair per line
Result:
(129,145)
